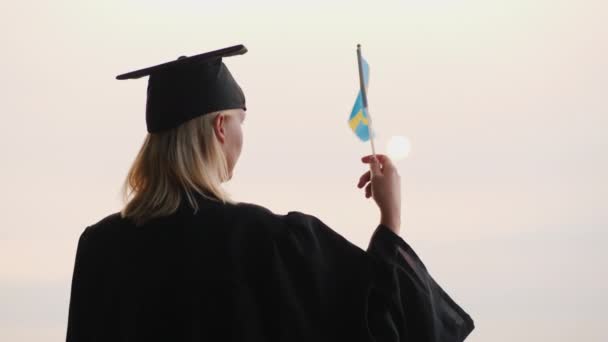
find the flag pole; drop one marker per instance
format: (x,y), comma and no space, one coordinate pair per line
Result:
(364,96)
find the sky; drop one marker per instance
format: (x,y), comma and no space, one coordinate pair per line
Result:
(503,101)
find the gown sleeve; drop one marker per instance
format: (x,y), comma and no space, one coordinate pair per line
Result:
(405,302)
(402,301)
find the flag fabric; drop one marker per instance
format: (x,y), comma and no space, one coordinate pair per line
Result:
(358,120)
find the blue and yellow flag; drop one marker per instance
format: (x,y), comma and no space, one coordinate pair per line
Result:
(358,120)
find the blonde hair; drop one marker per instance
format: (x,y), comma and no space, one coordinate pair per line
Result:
(172,164)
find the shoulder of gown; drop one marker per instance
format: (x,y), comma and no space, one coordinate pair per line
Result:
(403,301)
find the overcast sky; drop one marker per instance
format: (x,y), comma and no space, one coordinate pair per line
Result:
(504,103)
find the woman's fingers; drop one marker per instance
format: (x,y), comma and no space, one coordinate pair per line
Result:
(369,157)
(384,160)
(368,190)
(375,167)
(364,179)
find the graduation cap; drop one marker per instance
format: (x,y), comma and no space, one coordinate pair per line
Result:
(188,87)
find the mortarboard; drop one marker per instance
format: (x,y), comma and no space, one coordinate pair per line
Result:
(188,87)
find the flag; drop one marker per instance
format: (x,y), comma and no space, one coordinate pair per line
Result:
(358,120)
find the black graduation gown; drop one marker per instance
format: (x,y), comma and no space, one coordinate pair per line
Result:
(243,273)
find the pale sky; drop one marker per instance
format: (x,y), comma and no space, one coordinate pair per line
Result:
(504,103)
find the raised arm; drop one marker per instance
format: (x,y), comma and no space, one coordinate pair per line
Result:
(405,303)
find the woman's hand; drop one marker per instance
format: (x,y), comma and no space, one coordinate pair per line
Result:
(385,187)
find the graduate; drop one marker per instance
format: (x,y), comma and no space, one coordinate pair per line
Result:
(182,261)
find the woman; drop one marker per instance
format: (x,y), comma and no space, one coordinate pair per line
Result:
(182,261)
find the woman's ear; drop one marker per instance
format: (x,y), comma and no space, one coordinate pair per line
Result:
(218,127)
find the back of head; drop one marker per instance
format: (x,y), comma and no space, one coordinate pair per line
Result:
(181,155)
(174,165)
